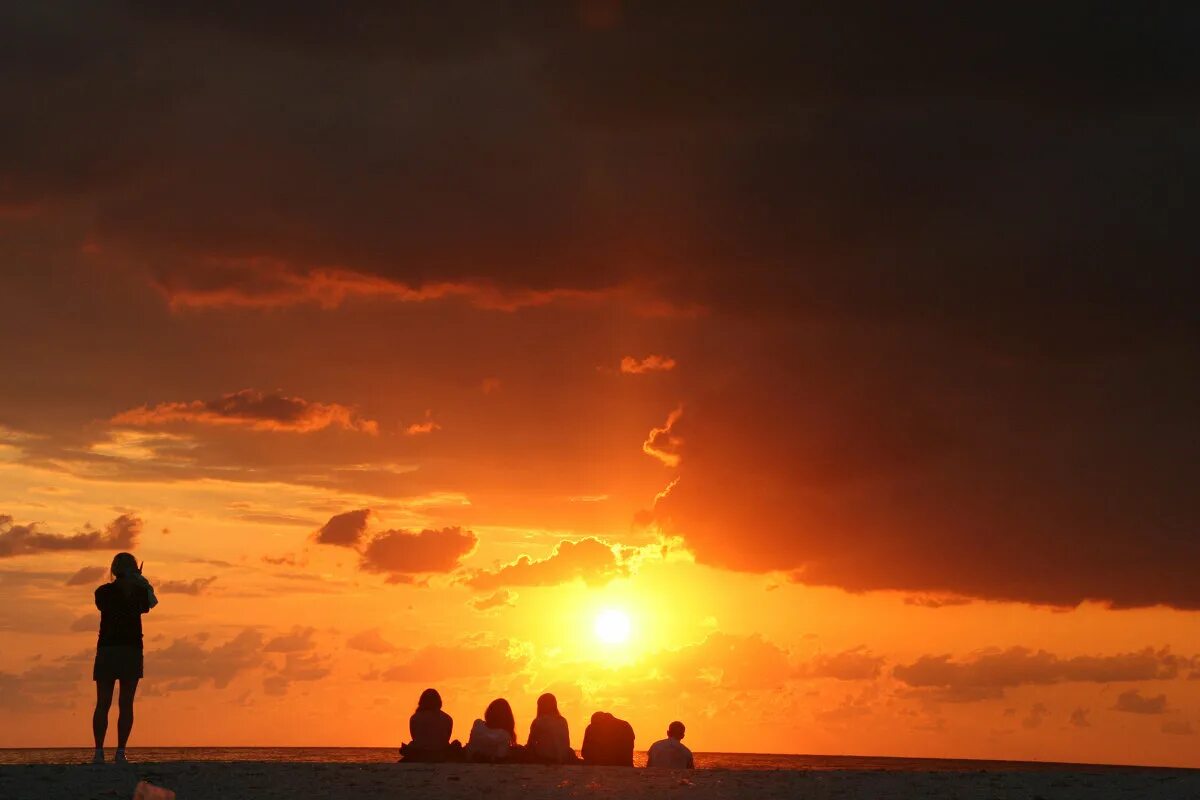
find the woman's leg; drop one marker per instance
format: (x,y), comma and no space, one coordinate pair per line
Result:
(104,693)
(125,711)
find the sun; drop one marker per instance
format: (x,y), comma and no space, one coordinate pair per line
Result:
(612,626)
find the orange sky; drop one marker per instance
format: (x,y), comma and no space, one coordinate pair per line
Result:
(400,351)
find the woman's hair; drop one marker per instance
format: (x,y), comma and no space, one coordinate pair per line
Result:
(123,564)
(499,715)
(430,701)
(547,706)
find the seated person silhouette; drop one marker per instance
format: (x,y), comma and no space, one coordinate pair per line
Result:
(549,738)
(608,741)
(494,738)
(430,728)
(671,752)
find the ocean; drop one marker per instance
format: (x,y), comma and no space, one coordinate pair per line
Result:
(733,761)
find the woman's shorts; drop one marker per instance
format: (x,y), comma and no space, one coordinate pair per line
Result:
(117,662)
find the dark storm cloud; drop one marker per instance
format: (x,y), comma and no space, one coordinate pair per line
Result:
(17,540)
(947,254)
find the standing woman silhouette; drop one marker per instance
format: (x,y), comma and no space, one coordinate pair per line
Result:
(122,602)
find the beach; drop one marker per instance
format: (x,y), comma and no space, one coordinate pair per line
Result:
(299,781)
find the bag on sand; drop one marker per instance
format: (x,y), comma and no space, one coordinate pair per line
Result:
(148,791)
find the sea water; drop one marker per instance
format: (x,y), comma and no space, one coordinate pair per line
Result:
(369,755)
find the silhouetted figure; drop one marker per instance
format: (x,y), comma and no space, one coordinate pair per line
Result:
(430,728)
(608,741)
(494,738)
(549,738)
(119,649)
(671,751)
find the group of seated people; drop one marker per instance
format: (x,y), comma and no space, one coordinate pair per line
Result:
(607,741)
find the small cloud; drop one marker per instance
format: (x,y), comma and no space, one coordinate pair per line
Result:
(404,554)
(87,575)
(370,641)
(1079,718)
(252,409)
(193,587)
(490,385)
(17,540)
(936,600)
(651,363)
(1037,714)
(1178,727)
(1133,702)
(662,444)
(419,428)
(288,559)
(346,529)
(498,599)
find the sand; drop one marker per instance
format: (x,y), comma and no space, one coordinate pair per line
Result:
(299,781)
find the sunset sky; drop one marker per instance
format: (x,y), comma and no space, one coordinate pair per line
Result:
(849,351)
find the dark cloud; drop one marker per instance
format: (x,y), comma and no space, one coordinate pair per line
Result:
(987,674)
(1178,727)
(346,529)
(188,662)
(16,540)
(402,555)
(296,667)
(1079,718)
(1134,702)
(945,256)
(589,560)
(194,586)
(251,409)
(1037,714)
(45,686)
(87,575)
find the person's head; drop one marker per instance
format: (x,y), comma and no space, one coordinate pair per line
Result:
(675,730)
(548,706)
(430,701)
(124,565)
(499,715)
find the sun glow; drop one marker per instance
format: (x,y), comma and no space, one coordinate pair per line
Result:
(612,626)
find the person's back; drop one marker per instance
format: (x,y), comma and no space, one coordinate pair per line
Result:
(549,736)
(549,740)
(671,752)
(430,729)
(608,741)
